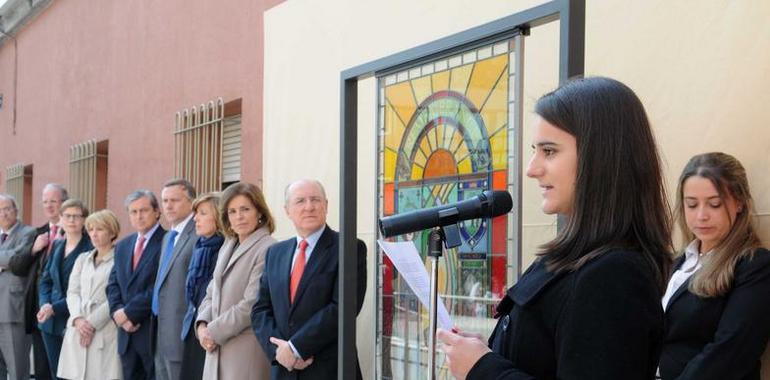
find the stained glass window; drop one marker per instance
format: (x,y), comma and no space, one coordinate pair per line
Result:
(445,136)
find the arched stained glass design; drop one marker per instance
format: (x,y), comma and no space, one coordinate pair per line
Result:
(445,136)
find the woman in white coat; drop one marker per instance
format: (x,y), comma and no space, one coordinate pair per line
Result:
(90,348)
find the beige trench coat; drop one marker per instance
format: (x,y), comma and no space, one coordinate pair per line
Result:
(86,297)
(227,309)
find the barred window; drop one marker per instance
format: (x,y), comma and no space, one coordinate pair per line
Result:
(208,144)
(88,173)
(18,183)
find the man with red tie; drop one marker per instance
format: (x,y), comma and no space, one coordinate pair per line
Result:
(30,264)
(295,316)
(129,291)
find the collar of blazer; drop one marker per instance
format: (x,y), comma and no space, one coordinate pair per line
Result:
(245,246)
(682,288)
(538,277)
(184,239)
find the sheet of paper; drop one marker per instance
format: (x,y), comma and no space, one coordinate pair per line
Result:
(407,260)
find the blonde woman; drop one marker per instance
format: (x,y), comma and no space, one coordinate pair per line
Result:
(717,298)
(90,348)
(208,227)
(223,326)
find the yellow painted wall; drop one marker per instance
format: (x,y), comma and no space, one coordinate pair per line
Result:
(701,67)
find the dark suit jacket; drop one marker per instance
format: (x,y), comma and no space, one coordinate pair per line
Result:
(310,323)
(27,265)
(603,321)
(132,290)
(720,337)
(55,280)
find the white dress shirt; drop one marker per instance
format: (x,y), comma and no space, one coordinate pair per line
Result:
(692,263)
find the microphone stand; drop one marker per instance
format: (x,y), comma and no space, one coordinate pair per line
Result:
(447,236)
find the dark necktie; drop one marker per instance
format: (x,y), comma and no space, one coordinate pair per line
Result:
(3,237)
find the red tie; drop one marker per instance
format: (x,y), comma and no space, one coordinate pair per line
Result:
(138,252)
(52,237)
(299,268)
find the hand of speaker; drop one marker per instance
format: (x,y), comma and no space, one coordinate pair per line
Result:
(462,350)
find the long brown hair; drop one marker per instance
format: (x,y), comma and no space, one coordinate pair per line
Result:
(620,200)
(725,172)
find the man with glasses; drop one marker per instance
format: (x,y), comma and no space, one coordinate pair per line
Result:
(129,290)
(30,263)
(15,238)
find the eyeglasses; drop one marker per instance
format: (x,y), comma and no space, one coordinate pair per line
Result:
(7,210)
(71,216)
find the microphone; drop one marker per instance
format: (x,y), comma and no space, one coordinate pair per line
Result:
(485,205)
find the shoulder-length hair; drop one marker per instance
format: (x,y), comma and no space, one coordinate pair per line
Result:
(213,199)
(106,219)
(715,277)
(254,194)
(619,199)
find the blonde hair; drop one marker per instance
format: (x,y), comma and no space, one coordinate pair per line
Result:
(213,199)
(715,277)
(106,219)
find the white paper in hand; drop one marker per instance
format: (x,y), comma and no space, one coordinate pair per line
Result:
(407,260)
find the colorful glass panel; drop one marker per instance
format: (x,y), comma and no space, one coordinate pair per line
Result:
(444,138)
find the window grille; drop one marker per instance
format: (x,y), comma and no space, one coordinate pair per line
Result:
(208,145)
(88,173)
(18,183)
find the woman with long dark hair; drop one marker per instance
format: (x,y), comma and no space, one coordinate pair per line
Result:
(717,302)
(588,308)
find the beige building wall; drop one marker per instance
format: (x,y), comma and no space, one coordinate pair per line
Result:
(700,67)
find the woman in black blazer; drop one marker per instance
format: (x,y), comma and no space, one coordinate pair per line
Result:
(718,298)
(54,281)
(588,308)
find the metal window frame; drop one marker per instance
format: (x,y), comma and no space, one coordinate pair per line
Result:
(571,17)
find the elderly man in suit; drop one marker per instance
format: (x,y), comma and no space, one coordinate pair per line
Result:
(30,265)
(295,316)
(129,290)
(15,238)
(169,304)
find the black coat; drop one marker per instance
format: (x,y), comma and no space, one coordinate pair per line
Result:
(30,266)
(311,321)
(720,337)
(603,321)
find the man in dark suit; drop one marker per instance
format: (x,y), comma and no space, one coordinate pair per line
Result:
(129,291)
(169,304)
(15,238)
(295,316)
(30,264)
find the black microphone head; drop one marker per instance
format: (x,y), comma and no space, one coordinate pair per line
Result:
(500,201)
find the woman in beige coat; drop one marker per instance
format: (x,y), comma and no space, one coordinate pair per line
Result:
(90,347)
(223,326)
